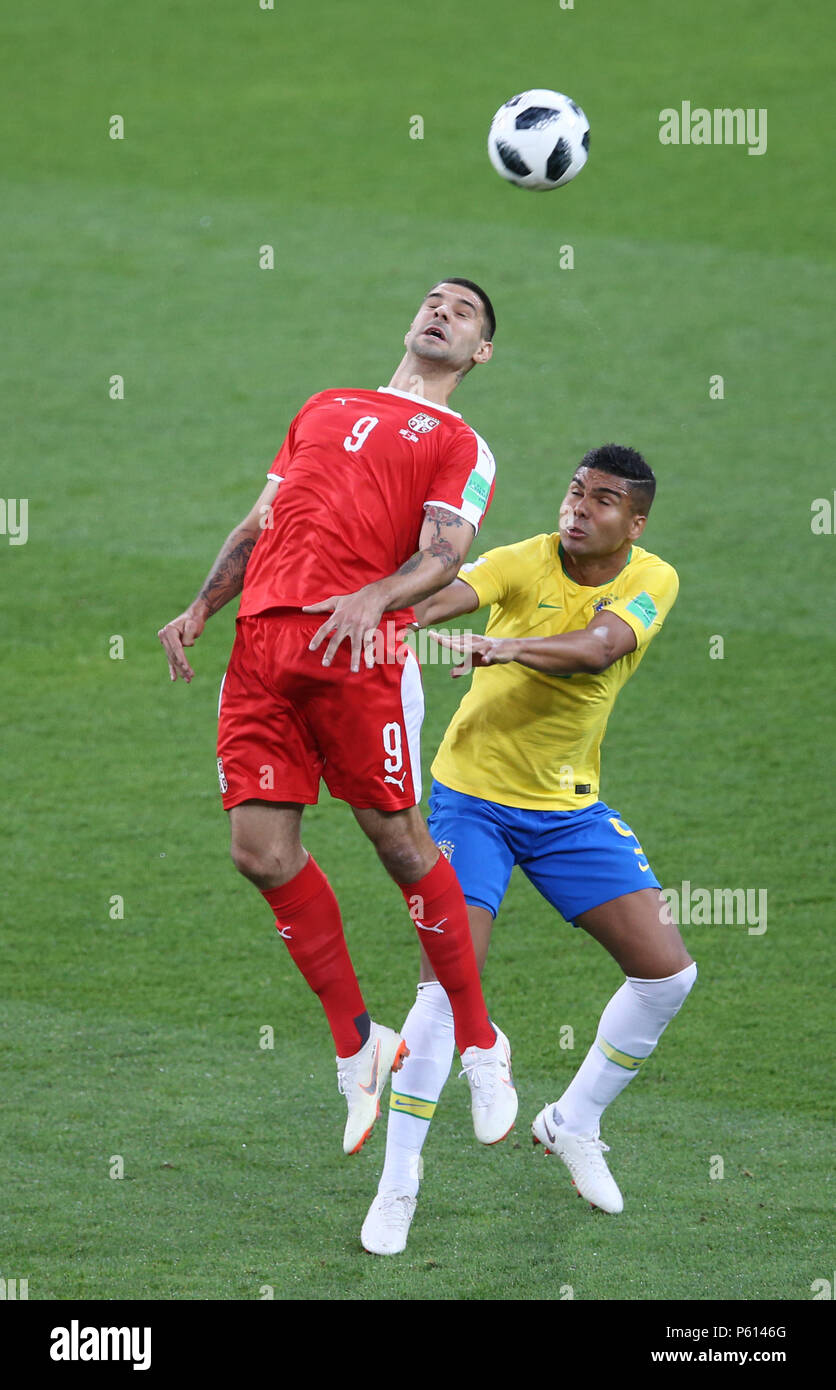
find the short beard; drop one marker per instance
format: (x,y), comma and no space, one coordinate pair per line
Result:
(425,356)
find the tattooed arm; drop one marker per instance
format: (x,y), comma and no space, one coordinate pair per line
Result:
(223,582)
(226,577)
(442,546)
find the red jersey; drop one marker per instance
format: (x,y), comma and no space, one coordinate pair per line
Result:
(356,471)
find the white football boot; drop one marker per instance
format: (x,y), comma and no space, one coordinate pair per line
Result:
(493,1100)
(386,1227)
(361,1080)
(583,1155)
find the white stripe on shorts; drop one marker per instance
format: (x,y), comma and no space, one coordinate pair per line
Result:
(412,703)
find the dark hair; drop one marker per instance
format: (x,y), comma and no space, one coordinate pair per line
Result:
(490,316)
(628,464)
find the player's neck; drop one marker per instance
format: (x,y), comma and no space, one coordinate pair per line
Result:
(418,378)
(594,570)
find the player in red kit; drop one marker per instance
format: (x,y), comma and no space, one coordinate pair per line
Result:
(371,505)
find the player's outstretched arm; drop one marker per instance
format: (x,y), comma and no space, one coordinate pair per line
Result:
(452,601)
(223,582)
(591,650)
(442,547)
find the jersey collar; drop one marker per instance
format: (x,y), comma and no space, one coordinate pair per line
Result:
(422,400)
(592,586)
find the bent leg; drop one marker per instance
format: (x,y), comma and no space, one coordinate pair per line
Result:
(437,907)
(267,849)
(482,860)
(639,934)
(428,1030)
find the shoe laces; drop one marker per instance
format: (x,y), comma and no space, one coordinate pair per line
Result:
(347,1068)
(345,1072)
(594,1150)
(397,1205)
(481,1073)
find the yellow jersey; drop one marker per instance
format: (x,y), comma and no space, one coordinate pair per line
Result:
(524,738)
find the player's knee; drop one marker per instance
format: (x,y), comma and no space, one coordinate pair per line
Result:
(404,862)
(666,996)
(404,847)
(254,864)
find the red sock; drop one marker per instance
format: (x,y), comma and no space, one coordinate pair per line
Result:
(308,919)
(437,900)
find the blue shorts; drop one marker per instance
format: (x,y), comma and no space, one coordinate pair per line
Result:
(576,859)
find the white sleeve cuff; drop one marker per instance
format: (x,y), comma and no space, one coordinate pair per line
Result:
(466,510)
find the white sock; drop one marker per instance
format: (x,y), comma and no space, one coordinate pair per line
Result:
(428,1033)
(630,1027)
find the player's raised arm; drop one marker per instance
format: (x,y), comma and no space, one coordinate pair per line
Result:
(442,547)
(223,582)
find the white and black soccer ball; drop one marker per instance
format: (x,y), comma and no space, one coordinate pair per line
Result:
(539,139)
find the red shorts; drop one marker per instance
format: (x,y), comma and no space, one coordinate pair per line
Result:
(285,720)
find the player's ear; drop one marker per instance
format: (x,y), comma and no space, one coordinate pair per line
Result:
(484,352)
(637,525)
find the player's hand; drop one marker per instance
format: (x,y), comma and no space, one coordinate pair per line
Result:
(179,633)
(354,617)
(476,649)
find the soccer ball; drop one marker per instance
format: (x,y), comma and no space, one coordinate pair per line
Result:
(539,139)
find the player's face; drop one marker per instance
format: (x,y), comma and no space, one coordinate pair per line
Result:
(448,328)
(596,515)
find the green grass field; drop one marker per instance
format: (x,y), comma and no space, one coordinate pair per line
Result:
(139,1036)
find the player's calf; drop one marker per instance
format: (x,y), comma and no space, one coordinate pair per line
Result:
(629,1029)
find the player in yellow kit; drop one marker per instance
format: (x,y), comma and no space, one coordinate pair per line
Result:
(516,782)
